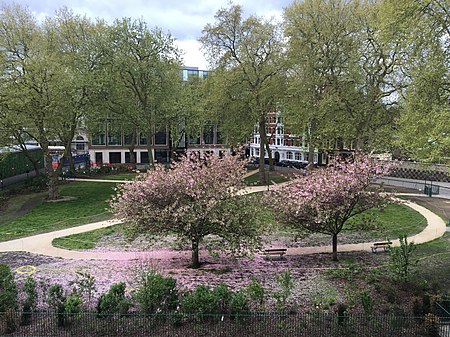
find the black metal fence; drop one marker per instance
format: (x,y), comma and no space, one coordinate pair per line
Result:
(273,325)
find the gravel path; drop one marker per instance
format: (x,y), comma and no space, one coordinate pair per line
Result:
(42,243)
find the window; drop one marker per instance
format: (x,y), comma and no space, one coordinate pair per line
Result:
(142,139)
(257,152)
(278,141)
(115,157)
(160,138)
(99,157)
(162,156)
(129,139)
(144,157)
(128,157)
(208,135)
(288,155)
(194,139)
(298,156)
(79,146)
(192,73)
(98,138)
(114,136)
(220,139)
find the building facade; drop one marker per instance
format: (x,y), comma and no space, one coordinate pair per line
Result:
(111,145)
(283,144)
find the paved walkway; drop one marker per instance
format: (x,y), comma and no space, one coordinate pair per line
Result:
(42,243)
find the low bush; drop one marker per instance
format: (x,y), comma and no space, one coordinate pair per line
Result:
(239,304)
(204,300)
(37,183)
(65,306)
(156,293)
(257,294)
(29,303)
(114,301)
(8,289)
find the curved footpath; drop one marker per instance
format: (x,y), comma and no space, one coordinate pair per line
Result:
(42,243)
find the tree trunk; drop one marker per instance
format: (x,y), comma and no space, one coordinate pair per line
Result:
(71,161)
(335,256)
(132,147)
(311,132)
(269,154)
(262,134)
(52,177)
(195,258)
(150,150)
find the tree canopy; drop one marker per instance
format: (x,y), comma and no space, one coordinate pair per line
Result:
(326,198)
(249,72)
(194,198)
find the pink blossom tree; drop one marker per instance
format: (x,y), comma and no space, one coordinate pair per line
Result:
(193,198)
(326,198)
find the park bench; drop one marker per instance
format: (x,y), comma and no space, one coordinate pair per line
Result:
(271,252)
(379,245)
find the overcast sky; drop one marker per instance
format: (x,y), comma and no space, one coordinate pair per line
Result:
(182,18)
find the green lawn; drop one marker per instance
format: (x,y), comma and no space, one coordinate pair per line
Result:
(253,180)
(90,205)
(16,205)
(119,176)
(372,225)
(392,222)
(434,262)
(87,240)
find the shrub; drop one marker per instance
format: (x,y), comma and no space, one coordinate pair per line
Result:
(84,285)
(29,304)
(72,304)
(8,290)
(257,294)
(37,183)
(239,304)
(113,301)
(403,262)
(367,302)
(342,314)
(56,299)
(156,293)
(206,301)
(285,285)
(432,325)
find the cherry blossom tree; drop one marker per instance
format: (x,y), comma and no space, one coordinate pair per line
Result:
(193,198)
(324,200)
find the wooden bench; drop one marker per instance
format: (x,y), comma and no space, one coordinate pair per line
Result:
(280,252)
(379,245)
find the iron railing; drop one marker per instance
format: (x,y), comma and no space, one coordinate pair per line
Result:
(88,324)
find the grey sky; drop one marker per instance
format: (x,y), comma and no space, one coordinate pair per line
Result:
(183,19)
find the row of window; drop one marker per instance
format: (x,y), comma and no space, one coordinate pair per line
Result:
(161,156)
(209,136)
(116,138)
(280,141)
(287,155)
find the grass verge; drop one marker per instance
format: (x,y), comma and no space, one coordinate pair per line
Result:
(395,220)
(119,176)
(90,204)
(87,240)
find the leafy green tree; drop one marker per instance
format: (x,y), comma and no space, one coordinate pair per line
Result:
(344,84)
(46,70)
(249,72)
(322,47)
(146,64)
(423,125)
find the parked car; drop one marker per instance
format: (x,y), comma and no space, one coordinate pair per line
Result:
(252,163)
